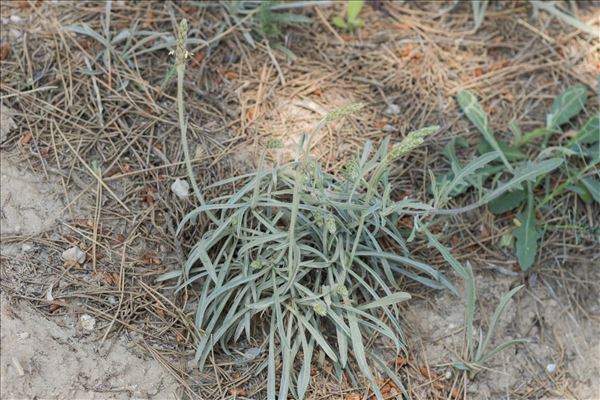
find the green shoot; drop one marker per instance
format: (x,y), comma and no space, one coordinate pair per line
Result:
(351,22)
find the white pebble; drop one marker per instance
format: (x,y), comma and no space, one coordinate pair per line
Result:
(74,254)
(181,188)
(26,247)
(551,368)
(392,109)
(87,322)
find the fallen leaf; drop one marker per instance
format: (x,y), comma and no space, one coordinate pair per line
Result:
(231,75)
(478,71)
(198,58)
(108,278)
(148,18)
(116,278)
(4,52)
(237,392)
(159,309)
(26,138)
(455,393)
(352,396)
(405,52)
(381,123)
(426,372)
(55,305)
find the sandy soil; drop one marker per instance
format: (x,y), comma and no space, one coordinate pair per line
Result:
(559,362)
(59,358)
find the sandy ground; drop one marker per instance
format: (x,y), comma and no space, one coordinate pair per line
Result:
(59,358)
(561,356)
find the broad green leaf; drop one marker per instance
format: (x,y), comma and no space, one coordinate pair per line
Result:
(589,132)
(527,172)
(353,8)
(512,152)
(581,191)
(508,201)
(339,22)
(566,106)
(471,107)
(593,186)
(527,236)
(356,23)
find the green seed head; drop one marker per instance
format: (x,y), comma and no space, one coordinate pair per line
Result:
(342,291)
(410,142)
(181,53)
(342,112)
(320,309)
(274,143)
(330,224)
(256,264)
(318,218)
(352,169)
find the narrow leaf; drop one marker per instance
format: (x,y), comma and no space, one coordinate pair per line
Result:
(472,109)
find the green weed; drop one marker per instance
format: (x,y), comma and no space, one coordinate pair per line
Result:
(351,22)
(476,357)
(577,158)
(479,8)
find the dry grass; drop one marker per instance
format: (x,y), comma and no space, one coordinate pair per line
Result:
(415,56)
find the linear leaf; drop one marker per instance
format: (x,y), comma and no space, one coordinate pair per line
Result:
(386,301)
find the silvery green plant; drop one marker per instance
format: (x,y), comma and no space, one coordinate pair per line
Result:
(308,259)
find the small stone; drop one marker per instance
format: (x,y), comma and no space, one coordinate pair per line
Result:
(392,109)
(448,375)
(551,368)
(73,254)
(180,188)
(252,353)
(15,19)
(18,367)
(87,322)
(26,247)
